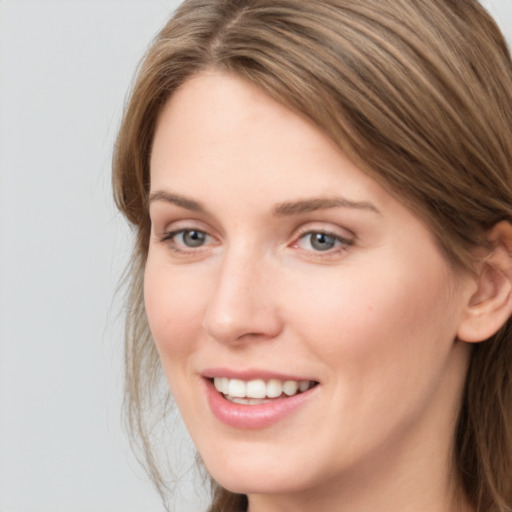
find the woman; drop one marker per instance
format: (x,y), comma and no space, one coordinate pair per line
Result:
(322,198)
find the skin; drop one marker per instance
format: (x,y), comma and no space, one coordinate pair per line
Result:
(374,320)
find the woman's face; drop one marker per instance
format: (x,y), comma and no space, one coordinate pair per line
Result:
(275,265)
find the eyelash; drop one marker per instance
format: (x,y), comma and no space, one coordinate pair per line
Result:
(169,237)
(342,243)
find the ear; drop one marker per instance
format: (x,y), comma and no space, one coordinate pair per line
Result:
(490,306)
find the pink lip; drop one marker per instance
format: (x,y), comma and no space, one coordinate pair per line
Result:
(249,374)
(253,416)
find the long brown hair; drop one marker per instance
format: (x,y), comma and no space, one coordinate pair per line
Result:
(418,93)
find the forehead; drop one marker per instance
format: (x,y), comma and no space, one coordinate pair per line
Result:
(218,130)
(212,109)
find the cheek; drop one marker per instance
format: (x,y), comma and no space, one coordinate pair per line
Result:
(386,339)
(385,321)
(174,307)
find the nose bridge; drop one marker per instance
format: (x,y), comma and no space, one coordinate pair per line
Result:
(241,304)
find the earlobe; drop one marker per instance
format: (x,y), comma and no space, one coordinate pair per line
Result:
(490,306)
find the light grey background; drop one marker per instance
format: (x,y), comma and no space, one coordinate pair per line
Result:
(65,68)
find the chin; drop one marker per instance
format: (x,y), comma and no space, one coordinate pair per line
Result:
(261,483)
(260,475)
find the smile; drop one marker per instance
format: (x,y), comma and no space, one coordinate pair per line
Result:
(255,399)
(258,391)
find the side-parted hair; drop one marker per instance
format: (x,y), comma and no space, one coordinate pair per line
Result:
(418,93)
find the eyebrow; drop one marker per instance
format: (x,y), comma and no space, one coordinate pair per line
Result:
(184,202)
(320,203)
(279,210)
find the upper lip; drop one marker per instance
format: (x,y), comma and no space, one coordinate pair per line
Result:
(252,374)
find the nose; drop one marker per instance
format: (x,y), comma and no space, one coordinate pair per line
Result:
(243,304)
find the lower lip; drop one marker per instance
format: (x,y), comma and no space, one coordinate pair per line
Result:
(253,416)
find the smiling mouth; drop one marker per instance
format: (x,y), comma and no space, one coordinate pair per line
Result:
(259,391)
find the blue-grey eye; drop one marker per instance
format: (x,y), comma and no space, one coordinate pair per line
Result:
(319,242)
(192,237)
(322,241)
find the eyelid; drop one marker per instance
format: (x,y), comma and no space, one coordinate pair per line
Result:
(336,237)
(164,224)
(169,237)
(166,230)
(344,241)
(344,238)
(340,233)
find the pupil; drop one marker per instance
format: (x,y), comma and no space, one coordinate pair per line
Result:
(193,238)
(322,242)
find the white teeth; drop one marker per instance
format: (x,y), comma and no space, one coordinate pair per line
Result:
(217,382)
(237,388)
(254,391)
(221,384)
(304,385)
(274,388)
(290,387)
(257,389)
(246,401)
